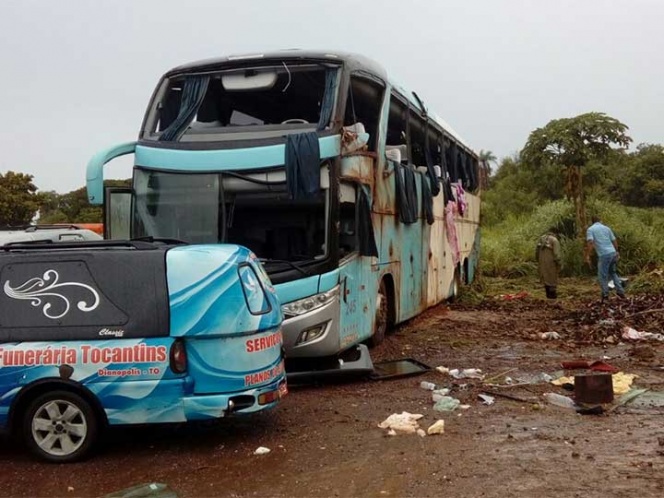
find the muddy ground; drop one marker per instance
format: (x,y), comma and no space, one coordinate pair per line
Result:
(325,440)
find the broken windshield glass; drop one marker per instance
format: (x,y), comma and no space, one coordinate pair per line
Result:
(279,96)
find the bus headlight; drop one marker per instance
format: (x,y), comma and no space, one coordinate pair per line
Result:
(311,303)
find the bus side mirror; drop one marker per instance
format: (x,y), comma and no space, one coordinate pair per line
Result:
(117,213)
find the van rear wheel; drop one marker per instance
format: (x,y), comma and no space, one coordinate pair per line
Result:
(60,426)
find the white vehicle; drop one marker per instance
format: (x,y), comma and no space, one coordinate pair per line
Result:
(46,233)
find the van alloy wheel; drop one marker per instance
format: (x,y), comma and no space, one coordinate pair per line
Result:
(60,426)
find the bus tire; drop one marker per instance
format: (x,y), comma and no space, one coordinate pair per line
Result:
(60,426)
(382,318)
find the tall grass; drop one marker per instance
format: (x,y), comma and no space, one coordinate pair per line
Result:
(508,247)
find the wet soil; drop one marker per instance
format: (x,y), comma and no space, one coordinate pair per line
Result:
(324,439)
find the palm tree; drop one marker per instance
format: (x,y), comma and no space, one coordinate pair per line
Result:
(486,157)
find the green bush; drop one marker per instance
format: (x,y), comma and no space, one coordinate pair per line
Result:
(508,247)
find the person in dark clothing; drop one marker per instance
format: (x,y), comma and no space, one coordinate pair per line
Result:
(547,255)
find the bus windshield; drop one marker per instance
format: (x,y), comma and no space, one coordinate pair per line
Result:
(212,208)
(238,101)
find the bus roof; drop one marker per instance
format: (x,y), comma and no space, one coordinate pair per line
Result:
(354,62)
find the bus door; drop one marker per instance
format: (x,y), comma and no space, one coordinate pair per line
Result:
(357,289)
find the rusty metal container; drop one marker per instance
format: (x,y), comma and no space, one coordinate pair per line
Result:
(593,388)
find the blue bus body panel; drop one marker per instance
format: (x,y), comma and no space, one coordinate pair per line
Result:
(225,159)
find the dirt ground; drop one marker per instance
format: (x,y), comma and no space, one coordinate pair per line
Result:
(324,439)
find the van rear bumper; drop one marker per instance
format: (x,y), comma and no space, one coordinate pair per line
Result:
(211,406)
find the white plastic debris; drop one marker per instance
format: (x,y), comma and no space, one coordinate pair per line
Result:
(549,336)
(486,399)
(446,404)
(631,334)
(391,432)
(443,370)
(262,450)
(437,428)
(467,373)
(421,433)
(429,386)
(438,394)
(559,400)
(402,422)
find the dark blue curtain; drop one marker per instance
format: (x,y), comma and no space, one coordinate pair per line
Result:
(365,228)
(427,200)
(302,165)
(193,91)
(431,172)
(406,193)
(328,99)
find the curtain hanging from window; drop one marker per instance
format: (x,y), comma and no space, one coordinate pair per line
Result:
(427,200)
(366,231)
(406,190)
(328,99)
(302,160)
(193,91)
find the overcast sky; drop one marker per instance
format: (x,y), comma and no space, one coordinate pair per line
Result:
(77,74)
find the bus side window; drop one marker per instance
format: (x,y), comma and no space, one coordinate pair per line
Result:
(348,238)
(397,126)
(417,139)
(363,105)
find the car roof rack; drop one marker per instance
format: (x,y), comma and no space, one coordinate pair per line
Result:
(46,226)
(146,243)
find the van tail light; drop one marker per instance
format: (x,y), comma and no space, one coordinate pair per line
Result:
(178,357)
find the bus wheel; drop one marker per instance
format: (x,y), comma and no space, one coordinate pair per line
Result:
(60,426)
(382,315)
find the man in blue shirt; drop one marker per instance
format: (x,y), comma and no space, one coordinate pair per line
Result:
(601,238)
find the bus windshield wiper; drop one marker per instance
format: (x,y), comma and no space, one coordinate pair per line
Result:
(286,262)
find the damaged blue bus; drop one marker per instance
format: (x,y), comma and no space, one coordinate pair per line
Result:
(361,203)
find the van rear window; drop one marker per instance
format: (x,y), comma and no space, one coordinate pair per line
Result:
(67,295)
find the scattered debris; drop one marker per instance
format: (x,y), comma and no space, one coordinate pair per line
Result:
(151,490)
(486,399)
(437,428)
(421,433)
(439,394)
(446,404)
(509,396)
(262,450)
(631,334)
(429,386)
(593,388)
(622,382)
(396,369)
(559,400)
(466,373)
(512,297)
(402,422)
(549,336)
(595,365)
(596,323)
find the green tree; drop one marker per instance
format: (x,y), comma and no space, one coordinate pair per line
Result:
(486,157)
(642,183)
(19,200)
(570,143)
(73,207)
